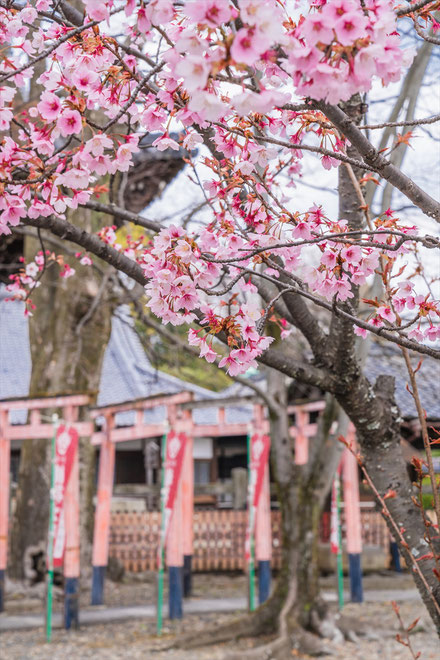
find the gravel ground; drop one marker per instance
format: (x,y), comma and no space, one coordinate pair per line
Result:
(136,639)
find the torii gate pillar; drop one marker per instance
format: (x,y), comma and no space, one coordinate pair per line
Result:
(101,529)
(5,451)
(72,550)
(188,515)
(263,539)
(353,518)
(174,558)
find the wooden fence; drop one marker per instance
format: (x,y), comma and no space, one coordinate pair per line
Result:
(218,538)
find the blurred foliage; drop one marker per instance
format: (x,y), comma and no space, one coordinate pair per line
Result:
(163,354)
(132,233)
(428,501)
(173,360)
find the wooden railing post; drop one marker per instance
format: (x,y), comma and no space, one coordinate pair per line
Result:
(5,451)
(301,439)
(101,529)
(353,517)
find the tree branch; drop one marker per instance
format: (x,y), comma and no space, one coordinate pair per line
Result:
(304,371)
(378,163)
(91,243)
(415,6)
(123,214)
(395,124)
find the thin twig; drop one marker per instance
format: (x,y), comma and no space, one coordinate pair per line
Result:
(399,535)
(415,6)
(425,436)
(425,37)
(392,124)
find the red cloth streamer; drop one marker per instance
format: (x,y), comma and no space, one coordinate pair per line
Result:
(66,445)
(334,520)
(260,447)
(176,444)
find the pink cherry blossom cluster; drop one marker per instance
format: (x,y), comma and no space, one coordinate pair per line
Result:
(402,304)
(64,149)
(425,313)
(180,280)
(183,271)
(224,74)
(338,50)
(27,279)
(55,144)
(244,341)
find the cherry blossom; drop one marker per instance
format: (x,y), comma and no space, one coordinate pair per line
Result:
(50,106)
(210,12)
(318,28)
(246,47)
(386,313)
(69,122)
(233,86)
(165,142)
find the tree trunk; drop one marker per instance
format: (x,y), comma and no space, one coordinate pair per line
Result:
(68,342)
(377,419)
(301,493)
(295,609)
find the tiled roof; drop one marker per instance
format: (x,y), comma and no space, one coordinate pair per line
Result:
(15,354)
(127,373)
(386,358)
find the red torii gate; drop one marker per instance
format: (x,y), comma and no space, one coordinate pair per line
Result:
(179,416)
(36,428)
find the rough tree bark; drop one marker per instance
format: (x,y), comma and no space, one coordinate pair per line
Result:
(376,416)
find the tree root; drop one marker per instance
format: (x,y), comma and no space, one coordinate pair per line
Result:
(249,625)
(301,641)
(293,637)
(265,620)
(278,616)
(279,647)
(323,622)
